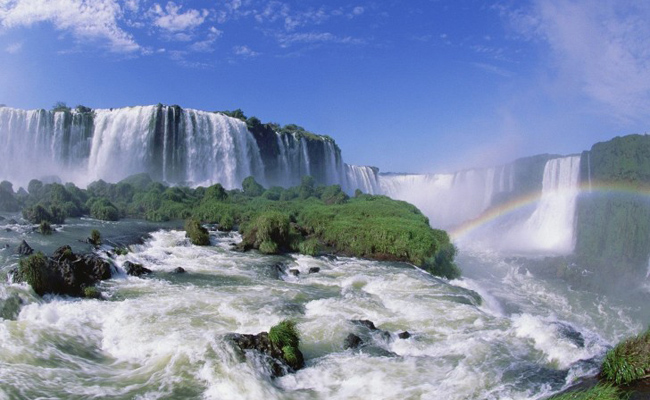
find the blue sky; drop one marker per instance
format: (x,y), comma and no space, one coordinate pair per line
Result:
(408,86)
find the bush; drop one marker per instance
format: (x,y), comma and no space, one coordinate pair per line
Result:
(95,237)
(598,392)
(309,247)
(45,228)
(269,232)
(628,361)
(35,271)
(104,210)
(198,235)
(251,188)
(285,336)
(92,292)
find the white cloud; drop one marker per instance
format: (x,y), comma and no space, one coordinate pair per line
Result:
(315,37)
(172,20)
(85,19)
(244,51)
(601,46)
(14,48)
(207,45)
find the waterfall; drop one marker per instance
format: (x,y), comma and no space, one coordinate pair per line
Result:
(449,199)
(363,178)
(551,226)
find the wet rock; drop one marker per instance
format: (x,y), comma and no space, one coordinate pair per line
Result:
(2,218)
(270,355)
(294,272)
(570,333)
(24,249)
(313,270)
(352,341)
(10,307)
(62,273)
(178,270)
(364,322)
(134,269)
(404,335)
(12,222)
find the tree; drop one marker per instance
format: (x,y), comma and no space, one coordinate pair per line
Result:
(251,188)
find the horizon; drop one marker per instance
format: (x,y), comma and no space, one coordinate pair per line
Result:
(428,87)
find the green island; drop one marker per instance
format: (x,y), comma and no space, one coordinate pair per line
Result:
(309,219)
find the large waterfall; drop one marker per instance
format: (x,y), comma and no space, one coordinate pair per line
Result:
(175,145)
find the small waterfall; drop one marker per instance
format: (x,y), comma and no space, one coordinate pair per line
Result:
(363,178)
(551,226)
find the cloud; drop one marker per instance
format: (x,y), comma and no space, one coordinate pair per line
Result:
(85,19)
(244,51)
(207,45)
(286,40)
(14,48)
(602,46)
(172,20)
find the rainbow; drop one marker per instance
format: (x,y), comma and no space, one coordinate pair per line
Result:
(461,231)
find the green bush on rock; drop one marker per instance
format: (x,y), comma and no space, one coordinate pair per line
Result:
(198,235)
(598,392)
(628,361)
(34,270)
(285,335)
(269,233)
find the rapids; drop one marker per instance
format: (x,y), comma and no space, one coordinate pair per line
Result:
(162,336)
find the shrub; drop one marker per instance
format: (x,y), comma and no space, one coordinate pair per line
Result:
(45,228)
(285,336)
(104,210)
(251,187)
(35,271)
(198,235)
(92,292)
(269,232)
(95,237)
(628,361)
(309,247)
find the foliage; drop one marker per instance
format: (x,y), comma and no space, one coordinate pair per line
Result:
(628,361)
(285,333)
(103,209)
(251,187)
(92,292)
(269,232)
(198,235)
(598,392)
(34,270)
(60,106)
(95,237)
(45,228)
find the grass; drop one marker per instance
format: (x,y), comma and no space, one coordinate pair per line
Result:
(198,235)
(628,361)
(285,334)
(598,392)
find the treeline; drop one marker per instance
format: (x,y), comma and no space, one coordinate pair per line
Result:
(308,218)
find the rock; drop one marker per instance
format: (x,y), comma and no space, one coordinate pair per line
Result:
(352,341)
(404,335)
(313,270)
(364,322)
(178,270)
(24,249)
(63,273)
(294,272)
(134,269)
(270,355)
(12,222)
(2,218)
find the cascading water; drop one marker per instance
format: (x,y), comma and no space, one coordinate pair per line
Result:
(449,199)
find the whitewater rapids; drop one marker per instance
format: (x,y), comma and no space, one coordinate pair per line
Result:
(163,336)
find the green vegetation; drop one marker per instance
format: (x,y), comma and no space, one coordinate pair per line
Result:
(34,270)
(308,218)
(285,336)
(598,392)
(92,292)
(45,228)
(198,235)
(95,237)
(628,361)
(613,225)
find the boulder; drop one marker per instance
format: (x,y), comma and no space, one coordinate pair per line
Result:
(271,355)
(313,270)
(294,272)
(178,270)
(24,249)
(63,273)
(404,335)
(352,341)
(134,269)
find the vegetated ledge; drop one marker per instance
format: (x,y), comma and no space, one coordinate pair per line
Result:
(624,374)
(309,219)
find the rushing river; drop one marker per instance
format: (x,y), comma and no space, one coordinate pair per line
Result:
(163,336)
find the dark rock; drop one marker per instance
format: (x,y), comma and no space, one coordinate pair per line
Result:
(24,249)
(364,322)
(404,335)
(294,272)
(2,218)
(570,333)
(63,273)
(12,222)
(134,269)
(352,341)
(271,356)
(178,270)
(314,270)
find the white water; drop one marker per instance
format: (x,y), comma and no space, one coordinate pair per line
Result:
(449,199)
(164,336)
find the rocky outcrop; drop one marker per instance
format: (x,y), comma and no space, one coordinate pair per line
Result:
(134,269)
(62,273)
(24,249)
(272,355)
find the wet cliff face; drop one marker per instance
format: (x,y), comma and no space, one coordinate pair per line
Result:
(613,214)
